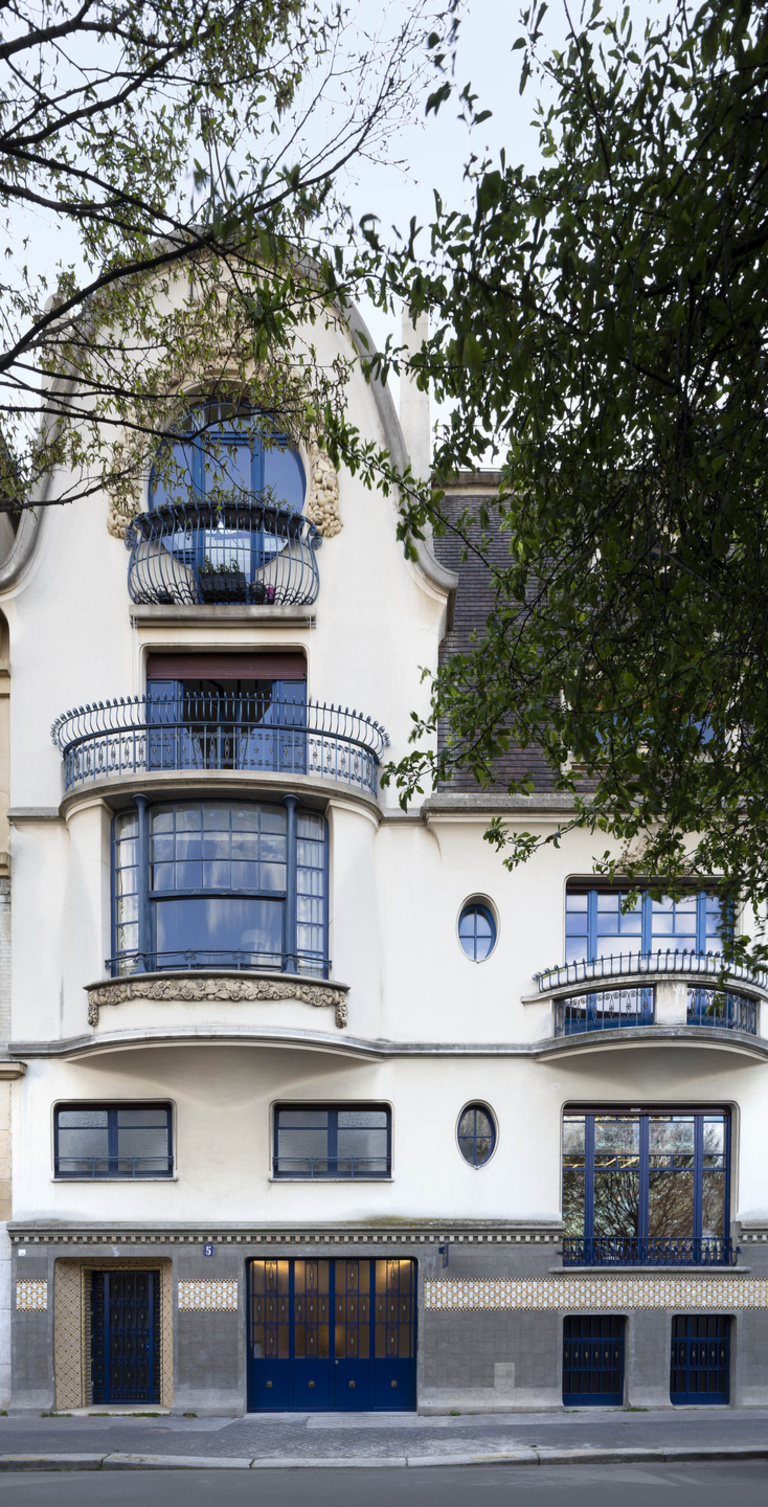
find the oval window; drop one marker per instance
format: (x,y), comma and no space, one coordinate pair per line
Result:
(477,931)
(476,1134)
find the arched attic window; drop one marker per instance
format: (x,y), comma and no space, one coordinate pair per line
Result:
(227,454)
(225,521)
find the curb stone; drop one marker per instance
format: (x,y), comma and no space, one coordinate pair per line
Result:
(525,1456)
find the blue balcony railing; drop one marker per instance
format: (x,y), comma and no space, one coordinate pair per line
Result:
(150,735)
(193,553)
(604,1010)
(651,1250)
(305,964)
(723,1009)
(663,960)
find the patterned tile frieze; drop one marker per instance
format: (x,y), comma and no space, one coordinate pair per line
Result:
(207,1297)
(456,1293)
(371,1236)
(31,1297)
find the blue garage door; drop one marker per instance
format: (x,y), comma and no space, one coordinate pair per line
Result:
(331,1335)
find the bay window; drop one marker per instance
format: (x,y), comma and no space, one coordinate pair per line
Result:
(220,884)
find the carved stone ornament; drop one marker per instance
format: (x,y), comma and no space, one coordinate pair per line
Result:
(212,989)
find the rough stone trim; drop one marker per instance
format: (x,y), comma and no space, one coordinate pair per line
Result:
(215,989)
(71,1327)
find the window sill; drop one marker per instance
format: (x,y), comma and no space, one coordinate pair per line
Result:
(174,1178)
(349,1181)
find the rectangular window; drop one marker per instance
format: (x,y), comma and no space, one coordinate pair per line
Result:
(646,1188)
(596,926)
(313,1140)
(124,1140)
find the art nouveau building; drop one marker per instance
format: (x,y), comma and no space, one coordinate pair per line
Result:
(314,1105)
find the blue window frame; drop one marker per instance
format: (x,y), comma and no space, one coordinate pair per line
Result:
(322,1140)
(476,1134)
(646,1187)
(596,927)
(228,457)
(220,884)
(477,931)
(113,1140)
(224,455)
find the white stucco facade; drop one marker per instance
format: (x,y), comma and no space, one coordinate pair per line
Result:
(405,1020)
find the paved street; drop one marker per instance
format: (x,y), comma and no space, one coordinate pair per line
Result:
(491,1486)
(377,1435)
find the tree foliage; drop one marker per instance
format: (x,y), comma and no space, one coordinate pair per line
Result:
(599,333)
(167,191)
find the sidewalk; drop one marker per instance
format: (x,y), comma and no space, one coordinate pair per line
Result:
(279,1441)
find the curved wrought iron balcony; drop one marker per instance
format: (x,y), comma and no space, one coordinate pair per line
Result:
(150,735)
(604,1010)
(610,1009)
(311,965)
(193,553)
(651,1250)
(667,960)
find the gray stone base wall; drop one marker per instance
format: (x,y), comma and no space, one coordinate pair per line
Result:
(490,1323)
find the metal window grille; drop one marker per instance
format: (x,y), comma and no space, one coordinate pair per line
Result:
(700,1359)
(593,1361)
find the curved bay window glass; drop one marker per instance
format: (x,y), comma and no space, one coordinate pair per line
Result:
(646,1188)
(476,1134)
(596,927)
(477,931)
(214,884)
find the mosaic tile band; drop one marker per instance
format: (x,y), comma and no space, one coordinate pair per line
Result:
(208,1297)
(31,1297)
(454,1293)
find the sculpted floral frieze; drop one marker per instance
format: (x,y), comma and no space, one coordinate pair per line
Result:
(212,989)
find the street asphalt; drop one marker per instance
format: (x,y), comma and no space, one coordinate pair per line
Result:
(655,1485)
(258,1441)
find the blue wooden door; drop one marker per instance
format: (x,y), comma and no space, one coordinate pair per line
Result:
(125,1330)
(331,1335)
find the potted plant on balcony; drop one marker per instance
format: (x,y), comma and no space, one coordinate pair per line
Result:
(222,583)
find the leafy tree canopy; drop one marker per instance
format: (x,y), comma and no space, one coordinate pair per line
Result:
(167,174)
(599,334)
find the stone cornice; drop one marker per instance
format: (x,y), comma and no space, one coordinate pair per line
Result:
(216,988)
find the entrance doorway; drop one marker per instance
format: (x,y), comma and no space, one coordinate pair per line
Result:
(125,1335)
(331,1335)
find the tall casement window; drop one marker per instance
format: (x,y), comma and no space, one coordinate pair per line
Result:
(227,711)
(322,1140)
(113,1140)
(646,1187)
(227,455)
(220,884)
(596,927)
